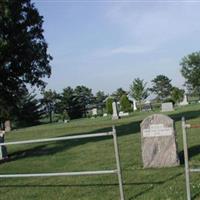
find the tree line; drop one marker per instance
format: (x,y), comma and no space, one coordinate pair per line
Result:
(25,62)
(74,103)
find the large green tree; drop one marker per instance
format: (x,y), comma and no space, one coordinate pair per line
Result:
(161,87)
(191,72)
(100,97)
(82,97)
(23,52)
(74,102)
(125,103)
(109,102)
(49,101)
(177,94)
(29,110)
(118,94)
(67,103)
(139,91)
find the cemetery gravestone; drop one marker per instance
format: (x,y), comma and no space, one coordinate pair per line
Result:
(147,107)
(167,107)
(123,114)
(134,105)
(185,101)
(7,126)
(158,137)
(3,151)
(115,114)
(94,111)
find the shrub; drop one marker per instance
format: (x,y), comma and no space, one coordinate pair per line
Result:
(109,106)
(125,104)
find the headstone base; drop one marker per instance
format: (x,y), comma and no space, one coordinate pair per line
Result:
(161,152)
(115,117)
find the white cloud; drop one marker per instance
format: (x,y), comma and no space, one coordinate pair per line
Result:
(131,50)
(121,50)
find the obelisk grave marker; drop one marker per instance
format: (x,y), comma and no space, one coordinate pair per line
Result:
(158,137)
(115,114)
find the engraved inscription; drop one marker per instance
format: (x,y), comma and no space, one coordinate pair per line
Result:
(157,130)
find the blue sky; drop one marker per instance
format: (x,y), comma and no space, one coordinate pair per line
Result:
(106,44)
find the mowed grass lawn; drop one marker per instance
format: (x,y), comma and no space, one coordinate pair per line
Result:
(96,154)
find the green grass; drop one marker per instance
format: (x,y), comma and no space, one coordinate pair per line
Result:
(96,154)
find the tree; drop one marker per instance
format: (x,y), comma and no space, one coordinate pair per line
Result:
(49,101)
(177,94)
(74,101)
(82,97)
(161,87)
(23,52)
(109,105)
(125,103)
(139,91)
(191,72)
(68,104)
(100,97)
(118,93)
(65,116)
(29,110)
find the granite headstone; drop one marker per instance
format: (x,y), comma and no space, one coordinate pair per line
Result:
(158,138)
(185,101)
(167,107)
(7,126)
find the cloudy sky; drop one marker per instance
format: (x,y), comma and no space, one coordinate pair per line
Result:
(106,44)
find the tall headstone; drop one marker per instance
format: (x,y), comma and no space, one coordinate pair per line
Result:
(94,111)
(158,137)
(7,126)
(185,101)
(134,105)
(115,114)
(167,107)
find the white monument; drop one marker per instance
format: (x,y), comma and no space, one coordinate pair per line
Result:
(134,105)
(185,101)
(94,111)
(123,114)
(115,114)
(7,126)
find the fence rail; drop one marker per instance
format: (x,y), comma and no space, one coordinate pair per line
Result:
(57,139)
(82,173)
(188,170)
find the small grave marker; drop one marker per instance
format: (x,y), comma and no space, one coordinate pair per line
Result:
(167,107)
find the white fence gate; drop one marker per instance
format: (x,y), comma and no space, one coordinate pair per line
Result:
(113,171)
